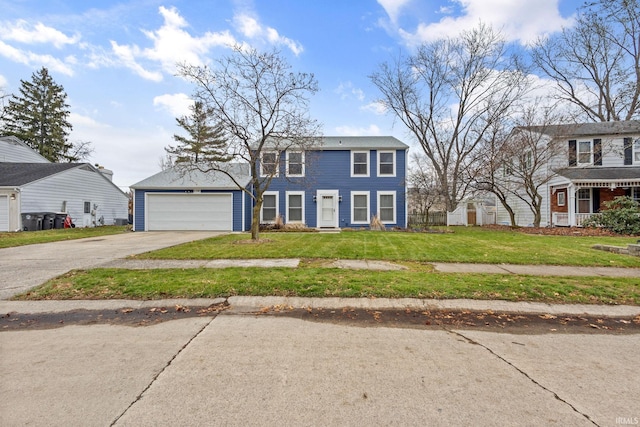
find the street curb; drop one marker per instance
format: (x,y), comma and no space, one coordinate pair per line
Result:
(251,304)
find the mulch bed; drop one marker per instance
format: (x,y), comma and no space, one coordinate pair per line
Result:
(555,231)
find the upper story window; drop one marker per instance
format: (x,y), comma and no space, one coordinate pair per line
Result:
(386,163)
(269,163)
(360,163)
(295,163)
(585,152)
(636,152)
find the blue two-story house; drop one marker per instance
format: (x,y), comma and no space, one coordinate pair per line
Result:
(341,182)
(338,182)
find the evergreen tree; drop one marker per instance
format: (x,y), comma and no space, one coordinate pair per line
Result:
(39,117)
(205,142)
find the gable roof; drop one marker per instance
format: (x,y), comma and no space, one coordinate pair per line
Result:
(12,149)
(350,143)
(18,174)
(630,127)
(361,142)
(177,178)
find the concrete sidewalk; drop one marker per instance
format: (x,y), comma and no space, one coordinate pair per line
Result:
(533,270)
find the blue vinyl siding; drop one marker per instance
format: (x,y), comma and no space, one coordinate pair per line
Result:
(331,170)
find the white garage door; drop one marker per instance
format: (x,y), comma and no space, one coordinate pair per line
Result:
(4,213)
(189,211)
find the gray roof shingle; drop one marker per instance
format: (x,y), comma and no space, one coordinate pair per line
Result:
(18,174)
(176,178)
(588,129)
(601,173)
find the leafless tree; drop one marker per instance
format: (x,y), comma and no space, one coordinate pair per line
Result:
(80,151)
(596,63)
(261,105)
(519,158)
(424,191)
(448,94)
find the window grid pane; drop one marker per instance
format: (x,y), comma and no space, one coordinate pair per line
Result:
(386,163)
(386,207)
(295,207)
(295,163)
(360,208)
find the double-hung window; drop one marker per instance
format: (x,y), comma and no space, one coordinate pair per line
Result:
(584,200)
(295,206)
(295,163)
(387,206)
(386,163)
(269,207)
(269,163)
(360,163)
(585,152)
(636,152)
(360,207)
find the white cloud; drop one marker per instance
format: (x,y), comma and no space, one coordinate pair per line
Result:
(251,28)
(3,82)
(392,8)
(346,90)
(23,32)
(175,104)
(347,130)
(127,57)
(375,107)
(516,20)
(172,44)
(34,60)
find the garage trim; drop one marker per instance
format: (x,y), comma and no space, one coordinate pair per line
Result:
(4,213)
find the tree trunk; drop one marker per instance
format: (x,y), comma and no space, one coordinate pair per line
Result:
(255,222)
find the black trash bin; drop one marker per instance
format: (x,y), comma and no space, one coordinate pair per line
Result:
(32,221)
(58,221)
(48,220)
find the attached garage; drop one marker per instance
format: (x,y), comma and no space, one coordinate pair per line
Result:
(181,200)
(4,213)
(189,211)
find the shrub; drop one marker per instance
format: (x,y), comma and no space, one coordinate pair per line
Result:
(376,224)
(622,216)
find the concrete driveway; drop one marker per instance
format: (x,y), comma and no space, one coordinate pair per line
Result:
(24,267)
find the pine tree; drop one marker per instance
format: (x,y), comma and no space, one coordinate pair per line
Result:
(39,117)
(205,143)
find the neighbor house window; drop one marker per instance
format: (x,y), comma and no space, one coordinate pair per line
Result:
(295,206)
(636,152)
(386,163)
(269,206)
(585,152)
(635,194)
(269,163)
(360,207)
(584,200)
(387,206)
(295,163)
(359,163)
(87,207)
(561,198)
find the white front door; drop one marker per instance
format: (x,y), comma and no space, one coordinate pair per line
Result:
(327,208)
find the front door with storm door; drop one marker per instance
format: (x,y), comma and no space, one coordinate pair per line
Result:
(327,208)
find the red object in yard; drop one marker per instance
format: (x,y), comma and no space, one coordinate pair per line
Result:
(67,222)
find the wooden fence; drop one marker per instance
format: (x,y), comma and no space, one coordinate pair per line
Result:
(423,220)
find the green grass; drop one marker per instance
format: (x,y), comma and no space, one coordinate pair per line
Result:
(22,238)
(309,280)
(469,245)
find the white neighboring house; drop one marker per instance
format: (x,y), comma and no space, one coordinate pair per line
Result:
(593,163)
(31,184)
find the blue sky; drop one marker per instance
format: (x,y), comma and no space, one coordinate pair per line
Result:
(116,59)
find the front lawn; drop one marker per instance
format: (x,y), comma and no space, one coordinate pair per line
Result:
(464,244)
(22,238)
(309,280)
